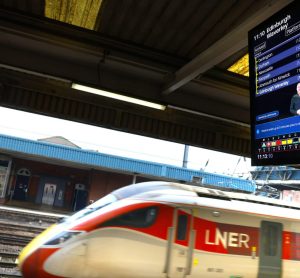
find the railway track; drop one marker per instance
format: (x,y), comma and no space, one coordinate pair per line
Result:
(21,227)
(14,274)
(17,229)
(8,259)
(26,218)
(8,265)
(14,240)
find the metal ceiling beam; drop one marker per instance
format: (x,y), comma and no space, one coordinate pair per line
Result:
(71,54)
(231,43)
(40,50)
(35,94)
(44,30)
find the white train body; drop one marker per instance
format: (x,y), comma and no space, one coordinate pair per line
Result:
(171,230)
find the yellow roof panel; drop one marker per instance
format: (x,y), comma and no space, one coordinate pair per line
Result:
(82,13)
(241,66)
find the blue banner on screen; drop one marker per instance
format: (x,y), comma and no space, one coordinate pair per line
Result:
(274,63)
(281,127)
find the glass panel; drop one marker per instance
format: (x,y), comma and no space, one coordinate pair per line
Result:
(182,227)
(106,200)
(138,218)
(241,66)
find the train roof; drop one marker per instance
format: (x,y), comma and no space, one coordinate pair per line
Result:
(170,188)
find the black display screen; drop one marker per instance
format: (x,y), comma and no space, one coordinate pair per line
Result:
(274,60)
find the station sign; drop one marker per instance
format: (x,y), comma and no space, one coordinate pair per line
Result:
(274,64)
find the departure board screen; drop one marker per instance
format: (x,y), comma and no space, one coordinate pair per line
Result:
(274,60)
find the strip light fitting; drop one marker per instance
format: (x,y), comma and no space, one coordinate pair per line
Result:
(117,96)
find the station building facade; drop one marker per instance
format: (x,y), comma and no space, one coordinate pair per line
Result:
(55,173)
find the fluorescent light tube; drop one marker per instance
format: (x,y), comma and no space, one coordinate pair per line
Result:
(117,96)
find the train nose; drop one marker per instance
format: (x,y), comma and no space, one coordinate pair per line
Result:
(28,266)
(68,261)
(33,265)
(35,244)
(30,256)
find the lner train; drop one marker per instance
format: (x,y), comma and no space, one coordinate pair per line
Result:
(160,229)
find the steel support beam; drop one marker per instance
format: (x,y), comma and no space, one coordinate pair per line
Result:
(225,47)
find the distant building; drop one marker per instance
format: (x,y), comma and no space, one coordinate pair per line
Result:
(59,140)
(54,172)
(291,195)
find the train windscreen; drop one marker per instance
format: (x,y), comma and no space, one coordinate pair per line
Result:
(118,194)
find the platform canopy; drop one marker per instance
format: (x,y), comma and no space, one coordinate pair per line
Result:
(174,53)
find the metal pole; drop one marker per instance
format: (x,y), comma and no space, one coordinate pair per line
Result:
(185,156)
(134,179)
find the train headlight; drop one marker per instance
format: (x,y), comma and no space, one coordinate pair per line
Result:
(62,237)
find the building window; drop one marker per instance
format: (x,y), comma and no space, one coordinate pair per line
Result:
(23,172)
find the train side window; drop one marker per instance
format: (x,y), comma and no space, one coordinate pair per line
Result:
(140,218)
(182,223)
